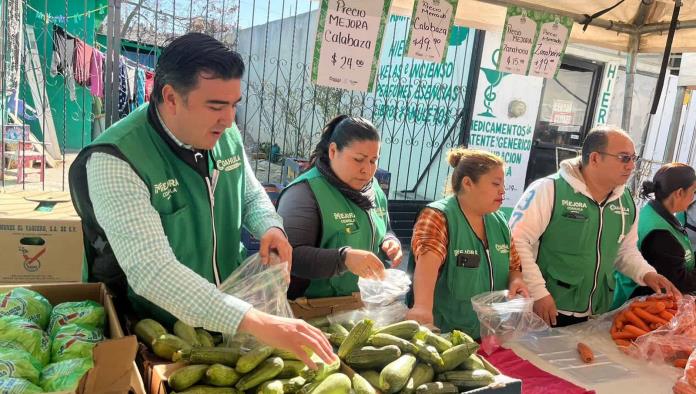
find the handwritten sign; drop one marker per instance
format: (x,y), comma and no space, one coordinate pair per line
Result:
(518,39)
(550,46)
(431,24)
(348,42)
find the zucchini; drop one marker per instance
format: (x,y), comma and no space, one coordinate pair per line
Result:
(471,363)
(167,344)
(362,386)
(372,377)
(267,370)
(147,330)
(253,358)
(291,368)
(221,375)
(369,357)
(395,375)
(467,380)
(271,387)
(456,355)
(337,383)
(187,333)
(185,377)
(459,338)
(428,354)
(200,389)
(356,338)
(293,385)
(437,388)
(405,329)
(422,373)
(209,355)
(379,340)
(205,338)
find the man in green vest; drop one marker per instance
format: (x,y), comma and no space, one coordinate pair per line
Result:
(574,228)
(164,193)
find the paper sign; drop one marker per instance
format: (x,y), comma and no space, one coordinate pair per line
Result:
(518,39)
(431,24)
(349,37)
(550,46)
(606,93)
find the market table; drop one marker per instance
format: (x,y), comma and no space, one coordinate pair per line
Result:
(613,371)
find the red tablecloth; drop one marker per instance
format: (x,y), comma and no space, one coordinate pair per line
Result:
(534,380)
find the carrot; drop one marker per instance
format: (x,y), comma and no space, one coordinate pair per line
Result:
(672,311)
(633,330)
(624,335)
(622,342)
(666,315)
(619,324)
(585,353)
(680,362)
(649,317)
(653,326)
(656,308)
(641,304)
(633,318)
(614,329)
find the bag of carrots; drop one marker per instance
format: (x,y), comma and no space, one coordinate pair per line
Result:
(657,328)
(687,383)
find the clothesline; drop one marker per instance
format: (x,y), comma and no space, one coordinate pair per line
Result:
(62,18)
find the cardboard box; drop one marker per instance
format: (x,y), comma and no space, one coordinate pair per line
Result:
(307,308)
(40,238)
(114,368)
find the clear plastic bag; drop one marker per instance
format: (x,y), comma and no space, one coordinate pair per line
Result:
(264,286)
(503,319)
(384,300)
(687,383)
(675,340)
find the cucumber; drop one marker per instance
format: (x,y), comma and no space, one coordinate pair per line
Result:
(185,377)
(253,358)
(395,375)
(147,330)
(167,344)
(187,333)
(205,338)
(337,383)
(267,370)
(221,375)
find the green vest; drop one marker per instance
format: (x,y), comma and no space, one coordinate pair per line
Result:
(461,276)
(650,220)
(202,218)
(343,223)
(577,250)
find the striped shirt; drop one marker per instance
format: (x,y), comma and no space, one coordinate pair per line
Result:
(430,235)
(122,207)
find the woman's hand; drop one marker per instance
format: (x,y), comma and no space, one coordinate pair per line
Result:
(364,264)
(392,248)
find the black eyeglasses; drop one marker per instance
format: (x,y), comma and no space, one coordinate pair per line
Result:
(624,158)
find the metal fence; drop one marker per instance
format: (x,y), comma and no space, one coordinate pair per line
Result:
(417,106)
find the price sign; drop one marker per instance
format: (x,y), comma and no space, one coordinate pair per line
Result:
(431,24)
(518,39)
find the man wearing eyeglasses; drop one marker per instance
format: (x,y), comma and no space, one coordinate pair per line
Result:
(573,229)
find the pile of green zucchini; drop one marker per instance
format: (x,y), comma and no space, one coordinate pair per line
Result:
(408,358)
(402,357)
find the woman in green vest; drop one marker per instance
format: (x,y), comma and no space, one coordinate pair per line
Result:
(335,214)
(662,239)
(461,245)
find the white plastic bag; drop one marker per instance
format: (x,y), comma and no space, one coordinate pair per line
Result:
(385,300)
(264,286)
(504,319)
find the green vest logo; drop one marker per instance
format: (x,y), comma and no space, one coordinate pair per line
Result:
(457,252)
(574,206)
(494,78)
(619,210)
(167,188)
(344,217)
(229,164)
(504,249)
(688,256)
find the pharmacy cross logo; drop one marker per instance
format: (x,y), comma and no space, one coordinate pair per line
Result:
(494,78)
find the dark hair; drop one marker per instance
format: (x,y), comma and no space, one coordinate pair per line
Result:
(597,140)
(185,57)
(343,130)
(669,178)
(472,163)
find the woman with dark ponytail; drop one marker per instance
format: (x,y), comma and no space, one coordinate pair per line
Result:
(662,239)
(335,214)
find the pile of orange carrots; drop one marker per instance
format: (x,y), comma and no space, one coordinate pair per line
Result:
(641,317)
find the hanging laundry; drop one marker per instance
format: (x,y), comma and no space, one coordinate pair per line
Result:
(83,61)
(62,59)
(149,81)
(130,70)
(123,108)
(96,74)
(139,87)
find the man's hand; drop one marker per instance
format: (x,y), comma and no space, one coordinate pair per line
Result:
(392,248)
(275,240)
(659,283)
(545,308)
(293,335)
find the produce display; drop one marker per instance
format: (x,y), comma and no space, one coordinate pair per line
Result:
(403,357)
(641,317)
(45,348)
